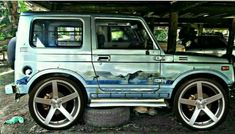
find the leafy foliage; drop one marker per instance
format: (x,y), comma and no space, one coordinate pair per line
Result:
(3,14)
(22,6)
(7,28)
(3,10)
(2,36)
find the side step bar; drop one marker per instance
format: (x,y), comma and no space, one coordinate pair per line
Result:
(127,102)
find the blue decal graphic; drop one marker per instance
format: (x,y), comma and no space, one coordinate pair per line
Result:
(22,81)
(137,78)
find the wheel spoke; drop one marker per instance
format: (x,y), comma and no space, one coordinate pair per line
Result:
(50,115)
(187,102)
(69,97)
(194,116)
(199,90)
(66,113)
(213,98)
(43,101)
(55,89)
(210,114)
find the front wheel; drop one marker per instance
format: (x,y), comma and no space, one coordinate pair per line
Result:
(201,104)
(56,103)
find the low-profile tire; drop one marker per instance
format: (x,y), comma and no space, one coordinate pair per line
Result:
(201,104)
(11,52)
(106,117)
(56,103)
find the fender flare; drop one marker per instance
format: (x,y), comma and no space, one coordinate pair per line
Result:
(192,73)
(198,71)
(39,74)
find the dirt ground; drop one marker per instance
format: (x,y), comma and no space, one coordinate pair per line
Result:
(163,122)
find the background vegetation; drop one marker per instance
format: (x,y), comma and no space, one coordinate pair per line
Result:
(9,16)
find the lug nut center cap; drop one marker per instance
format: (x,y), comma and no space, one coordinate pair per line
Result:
(200,104)
(56,103)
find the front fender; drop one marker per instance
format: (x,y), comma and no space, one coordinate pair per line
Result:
(226,79)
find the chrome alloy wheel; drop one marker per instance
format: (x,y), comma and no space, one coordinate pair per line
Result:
(55,104)
(201,104)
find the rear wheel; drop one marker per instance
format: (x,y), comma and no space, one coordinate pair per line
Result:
(56,103)
(201,104)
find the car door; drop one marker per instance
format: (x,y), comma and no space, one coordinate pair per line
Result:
(124,55)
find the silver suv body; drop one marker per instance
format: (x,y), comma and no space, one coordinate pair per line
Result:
(67,62)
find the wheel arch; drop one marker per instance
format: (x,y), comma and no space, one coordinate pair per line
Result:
(215,76)
(58,73)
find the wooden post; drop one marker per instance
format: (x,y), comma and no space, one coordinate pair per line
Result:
(172,32)
(151,25)
(231,39)
(200,29)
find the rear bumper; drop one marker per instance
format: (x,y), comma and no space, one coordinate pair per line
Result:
(19,89)
(10,89)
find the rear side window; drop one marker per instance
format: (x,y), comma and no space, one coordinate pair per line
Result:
(57,33)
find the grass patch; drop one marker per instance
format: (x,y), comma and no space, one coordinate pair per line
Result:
(6,78)
(4,68)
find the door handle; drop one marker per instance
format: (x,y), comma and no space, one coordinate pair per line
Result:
(103,58)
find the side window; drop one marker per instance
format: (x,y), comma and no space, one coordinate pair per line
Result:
(122,34)
(69,36)
(56,33)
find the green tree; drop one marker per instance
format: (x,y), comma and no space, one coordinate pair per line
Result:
(9,19)
(22,6)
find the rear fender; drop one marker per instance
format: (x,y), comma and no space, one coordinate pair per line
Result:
(55,71)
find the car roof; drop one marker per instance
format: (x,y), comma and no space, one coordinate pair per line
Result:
(70,14)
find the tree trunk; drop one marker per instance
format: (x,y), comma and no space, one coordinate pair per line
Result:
(14,13)
(13,16)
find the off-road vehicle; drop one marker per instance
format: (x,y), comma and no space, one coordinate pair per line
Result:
(68,62)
